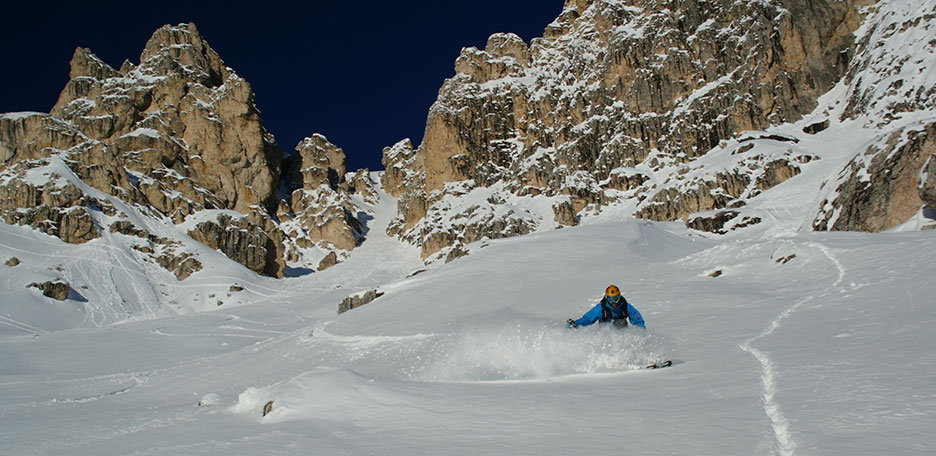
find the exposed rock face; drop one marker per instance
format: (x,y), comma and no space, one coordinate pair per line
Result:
(243,241)
(57,207)
(55,290)
(615,93)
(882,187)
(29,136)
(928,183)
(358,300)
(706,190)
(167,253)
(181,118)
(320,203)
(174,135)
(405,178)
(316,162)
(564,213)
(881,84)
(363,184)
(54,208)
(721,222)
(404,168)
(330,260)
(621,103)
(182,265)
(609,82)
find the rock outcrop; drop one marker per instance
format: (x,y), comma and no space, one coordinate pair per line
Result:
(330,260)
(177,134)
(358,300)
(882,187)
(928,183)
(56,290)
(664,110)
(55,208)
(320,210)
(181,120)
(614,96)
(173,136)
(244,242)
(168,253)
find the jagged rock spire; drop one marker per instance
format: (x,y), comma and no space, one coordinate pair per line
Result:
(176,134)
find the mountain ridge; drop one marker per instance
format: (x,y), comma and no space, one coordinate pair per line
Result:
(707,113)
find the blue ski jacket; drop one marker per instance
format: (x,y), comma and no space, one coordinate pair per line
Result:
(595,314)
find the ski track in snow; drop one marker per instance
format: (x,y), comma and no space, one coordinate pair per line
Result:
(785,445)
(94,397)
(21,326)
(159,332)
(319,334)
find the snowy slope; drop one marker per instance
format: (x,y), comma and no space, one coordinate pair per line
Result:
(805,344)
(785,341)
(113,283)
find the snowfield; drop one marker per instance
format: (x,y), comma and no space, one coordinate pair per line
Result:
(804,343)
(784,341)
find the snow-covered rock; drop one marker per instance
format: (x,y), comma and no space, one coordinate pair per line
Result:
(671,110)
(928,182)
(175,135)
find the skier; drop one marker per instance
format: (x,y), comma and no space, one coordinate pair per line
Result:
(614,308)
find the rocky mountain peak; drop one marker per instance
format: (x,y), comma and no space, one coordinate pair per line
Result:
(510,45)
(320,210)
(85,64)
(174,136)
(181,47)
(659,109)
(403,167)
(619,102)
(317,162)
(176,139)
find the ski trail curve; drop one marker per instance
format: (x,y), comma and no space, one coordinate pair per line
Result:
(781,427)
(785,445)
(838,264)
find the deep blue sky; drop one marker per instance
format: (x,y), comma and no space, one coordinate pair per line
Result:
(362,73)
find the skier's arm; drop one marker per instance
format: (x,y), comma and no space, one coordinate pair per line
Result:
(635,317)
(590,317)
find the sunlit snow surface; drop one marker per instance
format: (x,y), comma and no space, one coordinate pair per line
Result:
(784,342)
(827,353)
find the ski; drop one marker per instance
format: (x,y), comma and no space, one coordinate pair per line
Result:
(659,365)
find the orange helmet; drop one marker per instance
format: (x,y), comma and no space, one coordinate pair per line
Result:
(612,291)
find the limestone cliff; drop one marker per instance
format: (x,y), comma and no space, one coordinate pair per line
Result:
(319,210)
(928,183)
(707,112)
(888,93)
(611,103)
(173,136)
(181,117)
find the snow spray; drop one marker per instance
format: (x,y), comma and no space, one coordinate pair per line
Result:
(528,350)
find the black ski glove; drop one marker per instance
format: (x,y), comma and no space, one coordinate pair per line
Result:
(571,323)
